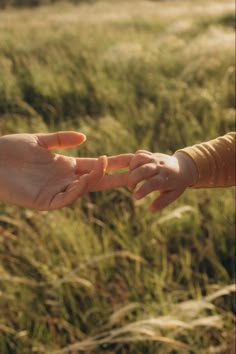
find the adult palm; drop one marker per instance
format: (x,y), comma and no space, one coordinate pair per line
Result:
(33,176)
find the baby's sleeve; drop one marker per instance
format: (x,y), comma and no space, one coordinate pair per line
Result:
(215,161)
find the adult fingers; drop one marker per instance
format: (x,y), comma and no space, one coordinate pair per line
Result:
(112,181)
(164,199)
(98,172)
(119,161)
(141,173)
(63,139)
(85,165)
(73,192)
(79,187)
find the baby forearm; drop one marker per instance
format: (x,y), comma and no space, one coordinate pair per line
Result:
(187,167)
(215,162)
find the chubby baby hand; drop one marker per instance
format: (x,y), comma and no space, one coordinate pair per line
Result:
(169,175)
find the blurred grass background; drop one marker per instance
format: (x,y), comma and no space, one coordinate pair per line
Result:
(104,275)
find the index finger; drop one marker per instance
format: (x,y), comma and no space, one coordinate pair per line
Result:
(97,173)
(85,165)
(119,161)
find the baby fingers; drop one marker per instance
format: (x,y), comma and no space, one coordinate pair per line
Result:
(164,200)
(75,190)
(153,184)
(142,173)
(140,158)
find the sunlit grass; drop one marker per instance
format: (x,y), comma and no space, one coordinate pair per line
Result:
(105,275)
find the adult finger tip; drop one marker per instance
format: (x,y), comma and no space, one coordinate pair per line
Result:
(103,160)
(80,134)
(98,172)
(70,139)
(81,137)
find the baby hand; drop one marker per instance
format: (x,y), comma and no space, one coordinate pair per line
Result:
(170,175)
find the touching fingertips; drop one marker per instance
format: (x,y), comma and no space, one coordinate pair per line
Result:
(104,162)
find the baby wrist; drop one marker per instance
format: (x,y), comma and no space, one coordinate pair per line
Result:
(187,167)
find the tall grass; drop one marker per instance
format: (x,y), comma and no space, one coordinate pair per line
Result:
(104,275)
(35,3)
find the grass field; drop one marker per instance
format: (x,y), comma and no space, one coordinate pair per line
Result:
(104,275)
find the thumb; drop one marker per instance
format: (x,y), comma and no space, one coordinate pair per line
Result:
(61,140)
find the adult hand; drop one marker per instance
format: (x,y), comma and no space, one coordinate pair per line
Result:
(32,176)
(109,181)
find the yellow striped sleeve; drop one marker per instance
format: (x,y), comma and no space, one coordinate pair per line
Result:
(215,161)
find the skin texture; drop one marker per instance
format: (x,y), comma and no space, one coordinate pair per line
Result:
(169,175)
(31,175)
(34,177)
